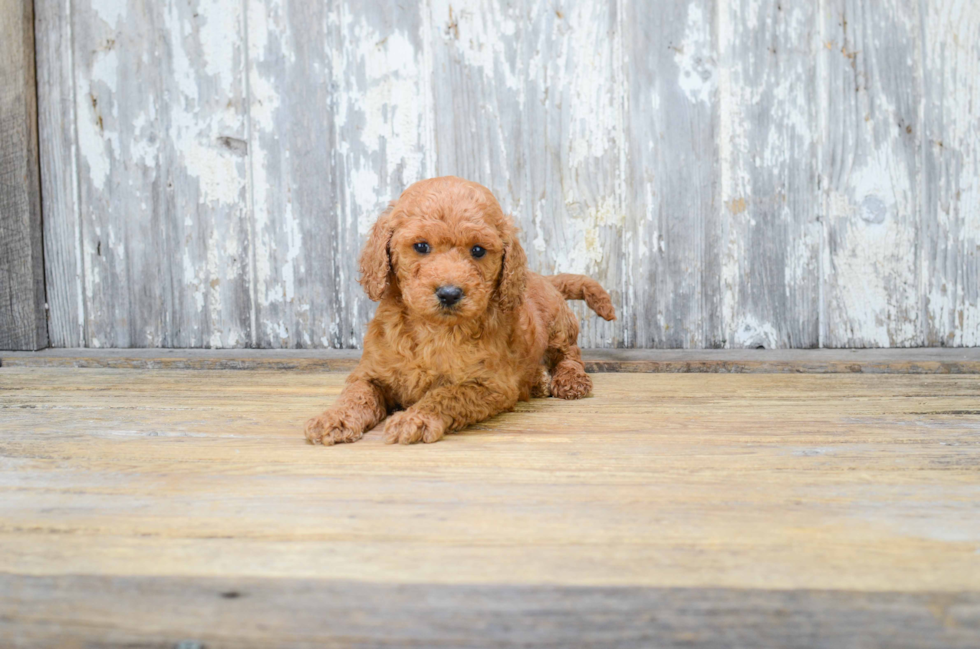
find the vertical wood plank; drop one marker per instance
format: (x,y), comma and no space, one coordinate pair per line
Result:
(870,173)
(293,48)
(674,245)
(767,140)
(950,236)
(479,76)
(385,134)
(339,121)
(161,138)
(529,101)
(59,190)
(576,151)
(23,323)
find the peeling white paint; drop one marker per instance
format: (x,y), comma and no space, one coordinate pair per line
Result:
(110,10)
(553,130)
(872,281)
(950,274)
(391,102)
(481,33)
(364,192)
(750,333)
(144,147)
(877,238)
(597,124)
(219,33)
(193,281)
(294,241)
(98,138)
(695,57)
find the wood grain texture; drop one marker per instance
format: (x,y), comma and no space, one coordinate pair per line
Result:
(770,278)
(871,173)
(238,613)
(528,99)
(59,174)
(294,189)
(159,109)
(950,235)
(338,114)
(724,361)
(742,503)
(673,176)
(23,318)
(738,173)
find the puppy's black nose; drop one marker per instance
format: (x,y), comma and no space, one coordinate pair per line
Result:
(449,295)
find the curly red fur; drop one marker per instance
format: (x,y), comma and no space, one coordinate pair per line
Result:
(510,337)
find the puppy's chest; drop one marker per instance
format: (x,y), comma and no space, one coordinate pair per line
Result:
(413,373)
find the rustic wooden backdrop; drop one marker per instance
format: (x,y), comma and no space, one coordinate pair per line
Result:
(783,173)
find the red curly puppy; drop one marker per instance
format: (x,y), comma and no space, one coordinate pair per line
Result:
(464,330)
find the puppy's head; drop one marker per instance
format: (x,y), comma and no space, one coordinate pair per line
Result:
(447,248)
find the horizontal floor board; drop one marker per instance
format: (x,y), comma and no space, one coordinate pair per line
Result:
(816,361)
(836,510)
(266,613)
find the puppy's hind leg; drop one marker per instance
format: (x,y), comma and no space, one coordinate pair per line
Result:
(564,359)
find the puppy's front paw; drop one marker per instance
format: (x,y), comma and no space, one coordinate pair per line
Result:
(569,381)
(408,427)
(329,429)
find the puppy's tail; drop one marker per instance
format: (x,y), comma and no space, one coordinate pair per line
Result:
(580,287)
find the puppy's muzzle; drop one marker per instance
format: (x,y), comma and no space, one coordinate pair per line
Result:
(449,295)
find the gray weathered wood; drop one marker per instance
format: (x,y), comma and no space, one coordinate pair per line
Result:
(870,172)
(950,200)
(529,100)
(22,314)
(674,244)
(770,279)
(59,188)
(738,173)
(724,361)
(159,99)
(338,112)
(294,190)
(127,611)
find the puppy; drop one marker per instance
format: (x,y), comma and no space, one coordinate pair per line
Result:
(463,329)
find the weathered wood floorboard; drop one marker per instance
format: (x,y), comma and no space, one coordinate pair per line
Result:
(152,507)
(800,361)
(272,613)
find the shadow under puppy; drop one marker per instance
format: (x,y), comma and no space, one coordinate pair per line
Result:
(463,329)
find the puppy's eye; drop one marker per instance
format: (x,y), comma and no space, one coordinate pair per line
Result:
(422,248)
(477,251)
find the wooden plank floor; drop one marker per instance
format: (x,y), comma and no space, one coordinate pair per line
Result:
(925,360)
(164,508)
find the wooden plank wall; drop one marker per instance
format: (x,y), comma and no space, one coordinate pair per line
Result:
(738,173)
(22,314)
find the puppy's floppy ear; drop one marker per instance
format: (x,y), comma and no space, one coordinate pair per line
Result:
(513,274)
(375,258)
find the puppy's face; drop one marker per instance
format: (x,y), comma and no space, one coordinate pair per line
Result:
(446,261)
(448,250)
